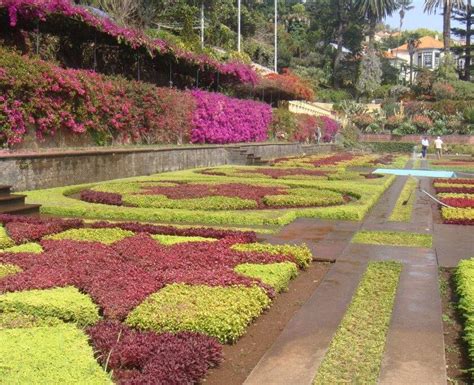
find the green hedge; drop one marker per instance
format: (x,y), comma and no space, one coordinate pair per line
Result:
(56,202)
(65,303)
(107,236)
(48,355)
(169,240)
(32,248)
(221,312)
(7,269)
(391,146)
(464,278)
(404,206)
(356,351)
(301,254)
(277,275)
(393,238)
(5,240)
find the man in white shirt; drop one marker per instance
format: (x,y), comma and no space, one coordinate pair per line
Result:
(439,147)
(424,146)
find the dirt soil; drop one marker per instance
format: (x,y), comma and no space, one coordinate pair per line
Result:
(243,356)
(457,360)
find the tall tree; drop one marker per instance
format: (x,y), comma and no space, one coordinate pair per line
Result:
(432,6)
(465,16)
(405,6)
(374,11)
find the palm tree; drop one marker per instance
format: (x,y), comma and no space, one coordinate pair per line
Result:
(432,5)
(375,11)
(405,5)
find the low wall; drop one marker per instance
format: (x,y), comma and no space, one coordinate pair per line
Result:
(45,170)
(448,139)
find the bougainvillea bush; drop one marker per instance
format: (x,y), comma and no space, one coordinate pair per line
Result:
(39,98)
(120,280)
(220,119)
(458,194)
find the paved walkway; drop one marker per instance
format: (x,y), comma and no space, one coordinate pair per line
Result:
(414,351)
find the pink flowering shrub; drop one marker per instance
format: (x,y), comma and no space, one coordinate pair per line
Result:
(305,128)
(40,98)
(220,119)
(64,10)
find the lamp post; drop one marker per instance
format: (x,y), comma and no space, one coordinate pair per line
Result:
(238,24)
(276,35)
(202,23)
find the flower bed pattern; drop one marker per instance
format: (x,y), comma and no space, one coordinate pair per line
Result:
(215,196)
(458,194)
(71,277)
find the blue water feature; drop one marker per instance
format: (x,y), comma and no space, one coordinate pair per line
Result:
(426,173)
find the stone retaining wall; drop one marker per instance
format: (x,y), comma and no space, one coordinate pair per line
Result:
(45,170)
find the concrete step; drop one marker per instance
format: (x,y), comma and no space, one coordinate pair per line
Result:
(11,200)
(5,190)
(20,209)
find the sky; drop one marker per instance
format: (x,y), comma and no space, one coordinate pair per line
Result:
(416,18)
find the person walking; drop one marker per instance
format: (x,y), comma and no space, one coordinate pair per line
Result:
(439,147)
(424,146)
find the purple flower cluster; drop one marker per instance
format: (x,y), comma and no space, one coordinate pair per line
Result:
(12,120)
(330,127)
(220,119)
(41,9)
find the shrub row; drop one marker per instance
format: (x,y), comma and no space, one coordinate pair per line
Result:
(393,238)
(41,99)
(221,312)
(276,275)
(403,209)
(357,348)
(464,278)
(49,355)
(8,269)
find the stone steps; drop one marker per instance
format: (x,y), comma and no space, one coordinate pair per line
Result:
(15,203)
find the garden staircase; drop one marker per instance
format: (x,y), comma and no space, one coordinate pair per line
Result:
(15,203)
(245,156)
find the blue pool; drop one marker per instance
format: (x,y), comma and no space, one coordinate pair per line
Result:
(426,173)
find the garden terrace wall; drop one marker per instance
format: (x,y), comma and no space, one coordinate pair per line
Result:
(44,170)
(448,139)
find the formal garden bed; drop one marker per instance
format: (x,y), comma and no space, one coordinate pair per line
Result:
(227,195)
(165,318)
(458,195)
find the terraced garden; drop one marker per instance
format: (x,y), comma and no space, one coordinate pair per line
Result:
(158,279)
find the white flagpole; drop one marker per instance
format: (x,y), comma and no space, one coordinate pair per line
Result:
(276,35)
(238,25)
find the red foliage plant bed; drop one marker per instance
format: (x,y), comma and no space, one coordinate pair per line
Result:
(458,202)
(239,190)
(454,181)
(147,358)
(332,160)
(455,190)
(101,197)
(134,267)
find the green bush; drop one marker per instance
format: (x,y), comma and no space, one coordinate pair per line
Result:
(463,90)
(5,240)
(277,275)
(468,115)
(301,254)
(48,355)
(332,96)
(393,238)
(65,303)
(221,312)
(306,197)
(204,203)
(107,236)
(356,351)
(464,278)
(404,206)
(7,269)
(14,320)
(406,128)
(169,240)
(32,248)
